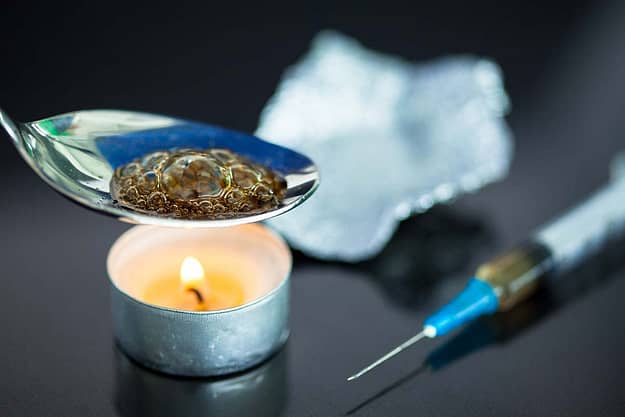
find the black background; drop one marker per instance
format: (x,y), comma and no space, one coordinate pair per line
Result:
(560,354)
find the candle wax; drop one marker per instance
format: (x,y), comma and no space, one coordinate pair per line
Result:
(218,293)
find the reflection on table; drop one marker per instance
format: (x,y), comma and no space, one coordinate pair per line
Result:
(260,392)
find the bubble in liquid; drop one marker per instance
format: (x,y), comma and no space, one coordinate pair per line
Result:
(244,176)
(154,160)
(207,184)
(147,181)
(194,176)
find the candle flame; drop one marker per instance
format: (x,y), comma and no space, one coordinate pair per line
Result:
(191,272)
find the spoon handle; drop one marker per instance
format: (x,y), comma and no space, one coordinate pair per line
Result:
(10,127)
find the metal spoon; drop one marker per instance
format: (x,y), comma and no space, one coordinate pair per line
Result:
(76,154)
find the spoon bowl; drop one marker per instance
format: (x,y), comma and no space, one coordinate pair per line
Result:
(77,153)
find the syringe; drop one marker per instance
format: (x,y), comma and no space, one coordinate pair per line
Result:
(505,281)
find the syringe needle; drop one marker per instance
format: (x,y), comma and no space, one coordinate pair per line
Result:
(414,339)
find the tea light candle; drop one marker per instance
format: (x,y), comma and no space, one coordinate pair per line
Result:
(199,302)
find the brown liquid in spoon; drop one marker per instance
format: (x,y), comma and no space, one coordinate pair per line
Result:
(193,184)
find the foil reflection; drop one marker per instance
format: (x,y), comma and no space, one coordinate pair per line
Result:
(428,249)
(260,392)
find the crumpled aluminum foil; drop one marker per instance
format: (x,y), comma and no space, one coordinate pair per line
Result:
(391,138)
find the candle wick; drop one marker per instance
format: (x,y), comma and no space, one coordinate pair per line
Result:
(198,294)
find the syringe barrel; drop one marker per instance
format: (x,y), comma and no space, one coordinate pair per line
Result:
(584,230)
(559,246)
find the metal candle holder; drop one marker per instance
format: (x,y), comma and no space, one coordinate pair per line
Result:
(201,343)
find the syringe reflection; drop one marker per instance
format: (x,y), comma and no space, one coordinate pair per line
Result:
(480,334)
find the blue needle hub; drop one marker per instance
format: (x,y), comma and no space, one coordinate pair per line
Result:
(476,299)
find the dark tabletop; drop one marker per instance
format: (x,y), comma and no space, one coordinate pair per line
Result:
(562,353)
